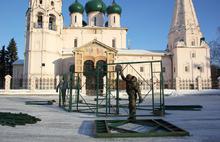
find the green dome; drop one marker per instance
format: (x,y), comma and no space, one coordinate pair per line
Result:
(76,7)
(95,5)
(114,8)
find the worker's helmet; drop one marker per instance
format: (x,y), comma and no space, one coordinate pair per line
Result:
(129,77)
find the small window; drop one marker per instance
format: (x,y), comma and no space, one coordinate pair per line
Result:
(95,20)
(40,20)
(141,69)
(164,69)
(52,3)
(193,43)
(200,68)
(114,43)
(41,1)
(186,69)
(114,19)
(75,19)
(75,43)
(52,22)
(193,55)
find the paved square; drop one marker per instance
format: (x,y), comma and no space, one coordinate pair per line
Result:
(60,126)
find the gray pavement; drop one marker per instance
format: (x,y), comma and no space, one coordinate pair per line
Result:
(60,126)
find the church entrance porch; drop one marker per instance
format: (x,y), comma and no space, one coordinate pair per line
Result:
(94,77)
(90,61)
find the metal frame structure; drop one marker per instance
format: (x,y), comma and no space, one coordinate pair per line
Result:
(109,104)
(156,128)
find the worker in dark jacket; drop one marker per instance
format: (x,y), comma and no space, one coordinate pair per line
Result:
(62,86)
(132,89)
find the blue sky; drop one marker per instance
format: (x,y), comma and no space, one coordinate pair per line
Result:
(148,21)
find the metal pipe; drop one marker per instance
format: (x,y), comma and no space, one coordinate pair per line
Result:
(97,90)
(117,93)
(78,89)
(152,85)
(71,94)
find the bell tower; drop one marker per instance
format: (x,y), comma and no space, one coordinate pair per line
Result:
(44,23)
(190,56)
(185,27)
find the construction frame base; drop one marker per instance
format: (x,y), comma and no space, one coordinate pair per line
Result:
(137,128)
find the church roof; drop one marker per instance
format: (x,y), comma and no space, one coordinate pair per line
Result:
(140,52)
(19,62)
(95,41)
(95,5)
(114,8)
(76,7)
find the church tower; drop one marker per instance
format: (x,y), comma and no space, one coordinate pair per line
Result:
(190,56)
(185,27)
(44,23)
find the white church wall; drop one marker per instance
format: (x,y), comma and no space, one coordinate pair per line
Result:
(140,69)
(86,35)
(167,71)
(192,63)
(43,53)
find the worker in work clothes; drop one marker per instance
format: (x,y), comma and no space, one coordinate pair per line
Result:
(133,90)
(62,86)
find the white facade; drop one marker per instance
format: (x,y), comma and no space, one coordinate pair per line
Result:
(190,55)
(51,48)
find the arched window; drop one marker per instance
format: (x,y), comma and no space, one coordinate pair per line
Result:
(114,19)
(39,20)
(52,3)
(75,19)
(114,43)
(75,43)
(95,20)
(40,1)
(193,43)
(52,22)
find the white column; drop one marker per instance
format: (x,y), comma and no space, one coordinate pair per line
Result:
(33,83)
(199,82)
(7,82)
(104,81)
(84,87)
(177,84)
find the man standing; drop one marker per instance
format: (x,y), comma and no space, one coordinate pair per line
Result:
(62,86)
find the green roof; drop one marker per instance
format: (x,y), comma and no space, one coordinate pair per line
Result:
(114,8)
(76,7)
(95,5)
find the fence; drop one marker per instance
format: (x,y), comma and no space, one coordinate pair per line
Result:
(30,83)
(188,84)
(51,83)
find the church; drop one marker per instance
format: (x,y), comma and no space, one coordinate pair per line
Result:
(52,48)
